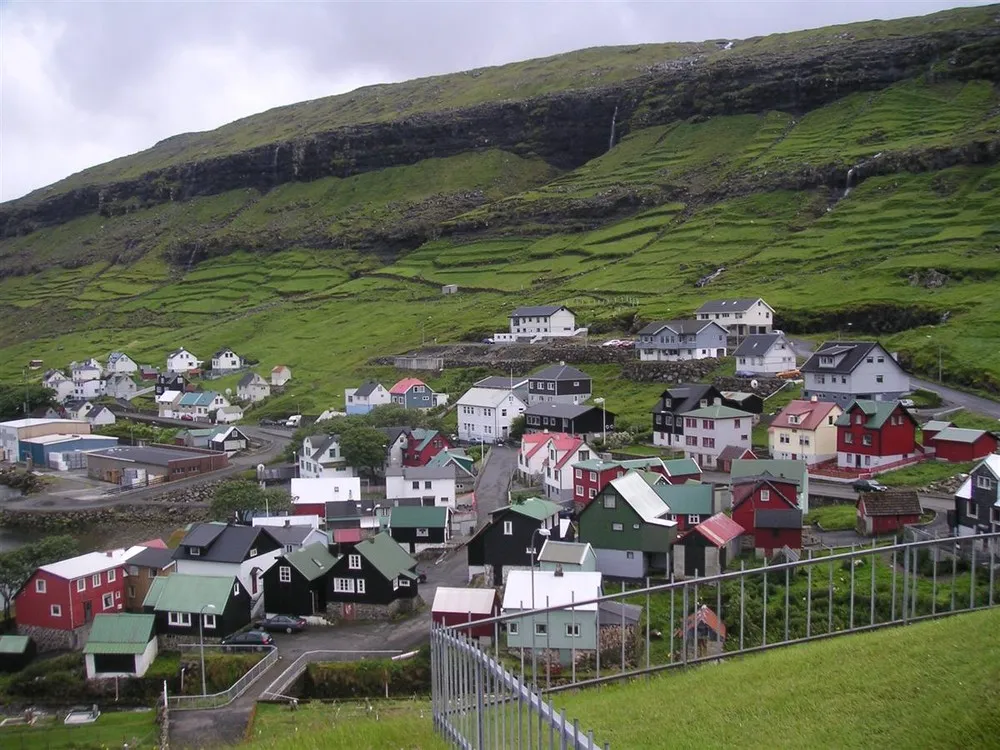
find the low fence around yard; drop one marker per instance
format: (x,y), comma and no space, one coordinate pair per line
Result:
(227,696)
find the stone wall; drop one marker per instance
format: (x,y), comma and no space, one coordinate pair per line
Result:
(52,639)
(378,612)
(56,522)
(173,642)
(691,370)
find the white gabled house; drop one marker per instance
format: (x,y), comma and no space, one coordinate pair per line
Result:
(420,485)
(181,360)
(843,371)
(740,317)
(486,414)
(100,416)
(542,320)
(167,404)
(226,360)
(121,386)
(120,363)
(89,370)
(321,457)
(58,382)
(88,388)
(365,397)
(201,404)
(253,388)
(280,374)
(229,414)
(676,340)
(764,354)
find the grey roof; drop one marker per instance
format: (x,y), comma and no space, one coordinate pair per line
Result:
(567,553)
(537,310)
(246,380)
(690,394)
(729,305)
(500,382)
(677,326)
(231,545)
(756,344)
(97,411)
(153,557)
(223,351)
(610,613)
(203,534)
(152,455)
(565,411)
(854,354)
(366,388)
(560,372)
(323,446)
(778,519)
(289,534)
(422,472)
(393,433)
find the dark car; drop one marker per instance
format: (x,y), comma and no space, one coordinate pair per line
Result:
(868,485)
(256,640)
(288,623)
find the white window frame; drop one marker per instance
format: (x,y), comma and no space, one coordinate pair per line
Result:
(96,579)
(343,585)
(404,582)
(55,610)
(617,526)
(579,490)
(40,586)
(253,552)
(610,501)
(572,630)
(285,574)
(209,622)
(360,586)
(423,533)
(194,551)
(765,496)
(984,482)
(112,574)
(179,619)
(107,601)
(354,562)
(512,628)
(541,628)
(508,528)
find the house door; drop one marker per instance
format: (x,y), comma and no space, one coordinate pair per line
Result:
(794,457)
(857,460)
(312,598)
(694,560)
(88,611)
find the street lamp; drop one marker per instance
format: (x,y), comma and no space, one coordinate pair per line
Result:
(201,642)
(940,375)
(604,421)
(534,655)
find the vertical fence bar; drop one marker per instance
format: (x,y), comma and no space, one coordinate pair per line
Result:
(742,599)
(562,732)
(892,610)
(850,616)
(993,545)
(914,586)
(520,712)
(671,619)
(548,656)
(934,560)
(622,602)
(809,594)
(972,579)
(906,584)
(684,629)
(552,725)
(873,561)
(829,600)
(787,586)
(480,707)
(572,656)
(647,617)
(763,630)
(954,566)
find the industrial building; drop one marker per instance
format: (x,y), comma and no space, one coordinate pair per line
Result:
(143,464)
(13,432)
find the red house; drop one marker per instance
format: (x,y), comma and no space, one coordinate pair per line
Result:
(422,445)
(733,453)
(886,512)
(60,599)
(590,477)
(458,606)
(956,444)
(767,508)
(872,434)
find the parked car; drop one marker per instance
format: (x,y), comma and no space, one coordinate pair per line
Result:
(789,374)
(745,374)
(288,623)
(626,344)
(868,485)
(268,423)
(257,640)
(612,342)
(906,403)
(488,340)
(187,418)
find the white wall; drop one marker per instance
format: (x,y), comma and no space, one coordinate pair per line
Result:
(724,432)
(401,487)
(142,662)
(488,423)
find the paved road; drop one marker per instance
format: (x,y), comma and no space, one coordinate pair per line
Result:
(491,492)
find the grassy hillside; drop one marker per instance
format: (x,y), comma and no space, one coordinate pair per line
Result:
(918,686)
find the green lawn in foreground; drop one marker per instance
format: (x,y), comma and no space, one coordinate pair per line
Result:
(393,725)
(111,730)
(916,687)
(833,517)
(923,473)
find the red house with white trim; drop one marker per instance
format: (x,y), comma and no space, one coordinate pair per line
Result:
(590,477)
(464,606)
(874,434)
(886,512)
(56,605)
(422,445)
(767,508)
(957,444)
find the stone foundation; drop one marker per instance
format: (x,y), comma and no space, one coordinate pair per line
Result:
(380,612)
(52,639)
(173,642)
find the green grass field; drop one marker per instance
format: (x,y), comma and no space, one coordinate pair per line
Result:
(137,729)
(922,474)
(833,517)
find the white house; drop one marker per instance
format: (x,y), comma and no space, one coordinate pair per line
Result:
(229,414)
(181,360)
(842,371)
(317,491)
(280,374)
(764,354)
(121,364)
(120,645)
(708,430)
(485,414)
(201,404)
(78,409)
(88,370)
(253,388)
(167,404)
(226,359)
(101,415)
(531,457)
(321,457)
(58,382)
(366,397)
(218,549)
(561,452)
(121,386)
(677,340)
(88,389)
(740,317)
(420,485)
(542,320)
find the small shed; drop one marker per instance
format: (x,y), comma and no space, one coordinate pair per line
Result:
(611,613)
(732,453)
(706,549)
(16,652)
(958,444)
(886,512)
(120,645)
(449,289)
(280,374)
(567,556)
(457,606)
(704,633)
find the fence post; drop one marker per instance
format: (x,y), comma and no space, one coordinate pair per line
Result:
(480,708)
(906,584)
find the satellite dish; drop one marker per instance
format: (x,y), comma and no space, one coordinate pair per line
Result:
(229,391)
(260,468)
(753,383)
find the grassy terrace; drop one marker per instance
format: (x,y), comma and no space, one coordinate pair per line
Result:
(136,729)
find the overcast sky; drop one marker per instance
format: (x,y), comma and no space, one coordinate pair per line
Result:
(84,82)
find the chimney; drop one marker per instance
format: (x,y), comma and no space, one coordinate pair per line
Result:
(814,398)
(703,402)
(717,402)
(558,571)
(287,523)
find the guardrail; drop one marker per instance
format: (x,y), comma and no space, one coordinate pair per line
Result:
(281,683)
(224,698)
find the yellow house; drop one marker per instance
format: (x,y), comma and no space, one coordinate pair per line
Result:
(806,431)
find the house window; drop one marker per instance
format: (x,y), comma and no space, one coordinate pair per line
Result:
(289,548)
(511,628)
(694,519)
(593,492)
(765,495)
(360,584)
(285,574)
(404,582)
(55,610)
(96,580)
(112,574)
(209,622)
(354,562)
(194,551)
(236,589)
(578,473)
(343,585)
(617,527)
(508,528)
(610,501)
(541,628)
(423,532)
(427,484)
(984,483)
(131,592)
(736,423)
(691,440)
(708,424)
(572,630)
(708,442)
(971,511)
(579,490)
(415,485)
(39,585)
(253,552)
(179,619)
(879,378)
(880,360)
(630,555)
(866,439)
(848,438)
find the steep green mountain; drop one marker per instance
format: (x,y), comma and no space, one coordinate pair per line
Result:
(849,175)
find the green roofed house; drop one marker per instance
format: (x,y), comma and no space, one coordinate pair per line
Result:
(298,581)
(177,601)
(120,645)
(689,503)
(16,652)
(418,527)
(506,542)
(465,473)
(373,578)
(794,470)
(590,477)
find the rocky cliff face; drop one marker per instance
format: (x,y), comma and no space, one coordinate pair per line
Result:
(566,129)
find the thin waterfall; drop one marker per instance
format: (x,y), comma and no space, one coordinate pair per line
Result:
(614,119)
(850,177)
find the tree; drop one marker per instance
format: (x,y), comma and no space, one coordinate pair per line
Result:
(17,565)
(363,447)
(239,496)
(517,427)
(393,415)
(14,397)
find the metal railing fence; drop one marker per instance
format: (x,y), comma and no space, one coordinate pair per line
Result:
(227,696)
(761,605)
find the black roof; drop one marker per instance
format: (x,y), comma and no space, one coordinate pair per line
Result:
(366,388)
(153,557)
(729,305)
(499,381)
(756,344)
(203,534)
(230,545)
(565,411)
(610,613)
(690,394)
(854,352)
(289,534)
(560,372)
(393,433)
(537,310)
(778,519)
(677,326)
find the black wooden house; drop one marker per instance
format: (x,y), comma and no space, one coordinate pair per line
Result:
(420,526)
(373,571)
(977,502)
(297,582)
(506,540)
(179,600)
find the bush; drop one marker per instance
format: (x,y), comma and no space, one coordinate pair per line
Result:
(368,678)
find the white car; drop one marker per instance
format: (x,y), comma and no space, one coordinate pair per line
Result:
(612,342)
(907,403)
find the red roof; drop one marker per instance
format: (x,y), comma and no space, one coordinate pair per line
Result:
(735,451)
(154,543)
(810,414)
(404,385)
(568,446)
(709,618)
(744,487)
(720,529)
(538,439)
(348,536)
